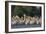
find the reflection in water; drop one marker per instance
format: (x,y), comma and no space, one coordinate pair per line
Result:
(25,26)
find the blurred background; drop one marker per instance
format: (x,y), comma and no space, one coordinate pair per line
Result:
(27,10)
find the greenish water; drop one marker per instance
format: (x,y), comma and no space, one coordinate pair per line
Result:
(25,26)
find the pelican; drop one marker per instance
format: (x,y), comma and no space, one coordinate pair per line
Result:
(27,21)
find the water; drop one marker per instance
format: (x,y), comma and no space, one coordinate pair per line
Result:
(25,26)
